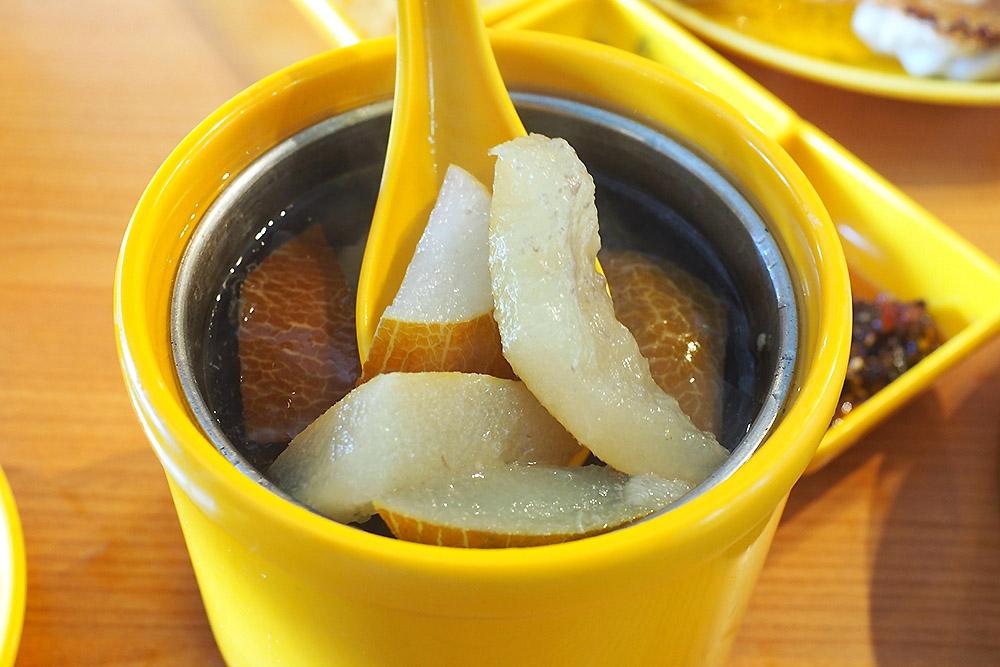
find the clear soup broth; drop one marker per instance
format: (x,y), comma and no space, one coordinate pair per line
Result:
(654,195)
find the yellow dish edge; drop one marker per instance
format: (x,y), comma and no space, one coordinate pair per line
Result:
(13,575)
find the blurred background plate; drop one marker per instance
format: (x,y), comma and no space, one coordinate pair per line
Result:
(813,40)
(13,578)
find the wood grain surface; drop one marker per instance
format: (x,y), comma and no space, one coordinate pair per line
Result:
(889,556)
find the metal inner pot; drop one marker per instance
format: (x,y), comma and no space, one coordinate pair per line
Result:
(653,194)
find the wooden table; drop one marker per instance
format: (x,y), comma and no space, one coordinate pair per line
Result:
(890,555)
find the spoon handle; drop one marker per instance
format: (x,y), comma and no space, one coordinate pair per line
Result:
(449,86)
(450,107)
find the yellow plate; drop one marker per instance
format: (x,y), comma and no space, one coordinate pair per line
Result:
(891,243)
(13,578)
(795,38)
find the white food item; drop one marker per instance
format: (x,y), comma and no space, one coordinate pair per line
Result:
(547,503)
(652,492)
(920,48)
(557,321)
(448,279)
(399,429)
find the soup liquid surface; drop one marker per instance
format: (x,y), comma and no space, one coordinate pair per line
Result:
(629,220)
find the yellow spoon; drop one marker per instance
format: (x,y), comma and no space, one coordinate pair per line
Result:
(450,107)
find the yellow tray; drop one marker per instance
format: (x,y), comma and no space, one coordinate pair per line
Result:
(891,243)
(13,577)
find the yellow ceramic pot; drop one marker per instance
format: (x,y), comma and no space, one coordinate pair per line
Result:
(284,586)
